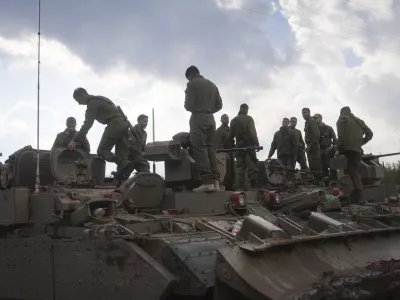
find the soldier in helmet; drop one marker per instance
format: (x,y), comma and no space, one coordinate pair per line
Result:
(115,134)
(327,139)
(137,144)
(66,136)
(352,135)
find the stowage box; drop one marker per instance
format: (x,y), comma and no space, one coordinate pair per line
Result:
(14,206)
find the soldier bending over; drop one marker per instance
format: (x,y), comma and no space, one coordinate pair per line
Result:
(115,134)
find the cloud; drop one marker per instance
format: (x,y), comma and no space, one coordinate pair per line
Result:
(277,56)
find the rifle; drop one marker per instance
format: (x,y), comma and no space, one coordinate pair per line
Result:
(131,128)
(245,149)
(290,169)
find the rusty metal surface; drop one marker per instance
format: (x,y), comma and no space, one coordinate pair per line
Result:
(125,271)
(26,269)
(190,257)
(75,274)
(283,272)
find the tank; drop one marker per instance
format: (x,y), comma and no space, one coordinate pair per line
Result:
(81,237)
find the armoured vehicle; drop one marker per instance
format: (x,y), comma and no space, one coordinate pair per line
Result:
(79,237)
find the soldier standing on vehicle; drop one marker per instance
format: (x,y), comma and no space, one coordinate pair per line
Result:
(244,131)
(115,134)
(66,136)
(285,142)
(137,145)
(301,155)
(221,141)
(311,137)
(326,140)
(203,100)
(353,133)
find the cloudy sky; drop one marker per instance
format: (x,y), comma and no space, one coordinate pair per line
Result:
(277,56)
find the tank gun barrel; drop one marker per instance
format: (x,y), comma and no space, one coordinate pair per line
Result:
(240,149)
(371,156)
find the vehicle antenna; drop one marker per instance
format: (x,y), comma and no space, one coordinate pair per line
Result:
(154,138)
(38,114)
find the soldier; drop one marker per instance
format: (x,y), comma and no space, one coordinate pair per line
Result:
(203,100)
(326,140)
(137,144)
(285,142)
(221,141)
(115,134)
(301,155)
(66,136)
(245,133)
(352,135)
(311,137)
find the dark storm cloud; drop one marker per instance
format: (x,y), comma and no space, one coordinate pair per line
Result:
(157,36)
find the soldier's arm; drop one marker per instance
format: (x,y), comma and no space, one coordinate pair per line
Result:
(340,126)
(368,134)
(86,145)
(273,147)
(253,132)
(315,133)
(90,116)
(333,136)
(301,141)
(190,97)
(144,142)
(295,145)
(218,102)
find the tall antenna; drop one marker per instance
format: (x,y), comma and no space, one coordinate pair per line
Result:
(38,114)
(154,136)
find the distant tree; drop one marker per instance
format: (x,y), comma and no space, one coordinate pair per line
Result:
(393,171)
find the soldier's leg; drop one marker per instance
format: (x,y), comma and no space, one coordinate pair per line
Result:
(284,160)
(252,168)
(140,164)
(314,160)
(324,162)
(230,173)
(198,140)
(353,169)
(111,136)
(211,150)
(241,171)
(301,159)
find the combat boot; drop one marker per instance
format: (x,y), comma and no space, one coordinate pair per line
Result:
(205,188)
(216,185)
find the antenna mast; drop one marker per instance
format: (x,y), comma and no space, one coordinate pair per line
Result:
(154,136)
(38,114)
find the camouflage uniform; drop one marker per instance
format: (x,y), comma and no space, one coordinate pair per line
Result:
(327,139)
(244,130)
(137,144)
(311,137)
(115,134)
(203,100)
(301,155)
(285,142)
(351,131)
(65,137)
(221,141)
